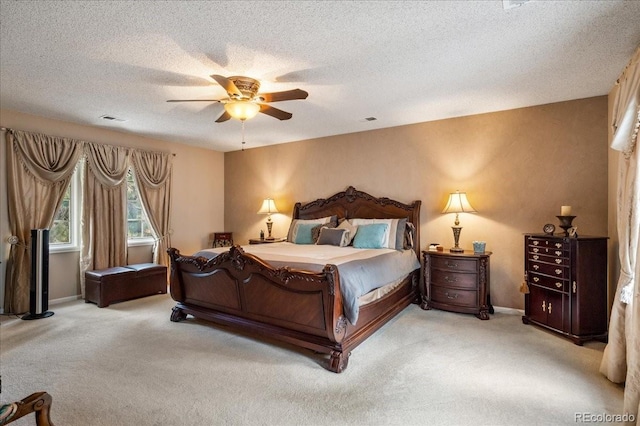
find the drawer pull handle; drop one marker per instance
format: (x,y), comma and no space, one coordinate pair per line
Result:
(544,306)
(535,243)
(536,249)
(451,265)
(559,245)
(536,257)
(455,296)
(574,286)
(450,280)
(549,307)
(536,279)
(558,253)
(558,271)
(558,261)
(559,285)
(536,267)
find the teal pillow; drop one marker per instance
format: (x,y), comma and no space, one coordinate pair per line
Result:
(370,236)
(304,234)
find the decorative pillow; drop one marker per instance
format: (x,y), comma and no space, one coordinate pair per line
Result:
(395,237)
(371,236)
(400,234)
(334,237)
(303,233)
(315,232)
(409,236)
(293,228)
(345,224)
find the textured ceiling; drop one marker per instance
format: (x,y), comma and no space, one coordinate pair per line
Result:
(401,62)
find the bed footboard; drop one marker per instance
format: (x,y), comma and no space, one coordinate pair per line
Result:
(239,289)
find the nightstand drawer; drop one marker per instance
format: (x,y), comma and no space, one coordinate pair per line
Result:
(466,298)
(454,279)
(454,264)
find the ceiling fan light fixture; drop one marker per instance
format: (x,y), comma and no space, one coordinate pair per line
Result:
(242,109)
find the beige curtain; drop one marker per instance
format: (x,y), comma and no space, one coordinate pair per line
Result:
(39,168)
(153,176)
(104,233)
(621,360)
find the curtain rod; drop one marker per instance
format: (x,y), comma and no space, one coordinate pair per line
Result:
(4,129)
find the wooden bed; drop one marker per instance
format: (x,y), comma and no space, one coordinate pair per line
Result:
(295,306)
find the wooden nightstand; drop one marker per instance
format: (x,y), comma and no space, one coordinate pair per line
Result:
(457,282)
(266,241)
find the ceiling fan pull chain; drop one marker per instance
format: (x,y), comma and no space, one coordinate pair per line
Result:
(243,142)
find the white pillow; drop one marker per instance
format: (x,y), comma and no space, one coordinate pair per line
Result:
(293,228)
(389,240)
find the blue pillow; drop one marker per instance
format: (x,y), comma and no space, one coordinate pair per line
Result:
(304,234)
(370,236)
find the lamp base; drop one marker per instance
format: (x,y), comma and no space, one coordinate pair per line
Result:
(456,238)
(269,226)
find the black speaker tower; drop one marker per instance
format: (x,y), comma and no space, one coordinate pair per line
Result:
(39,289)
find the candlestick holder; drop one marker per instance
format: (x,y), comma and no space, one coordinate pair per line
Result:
(565,223)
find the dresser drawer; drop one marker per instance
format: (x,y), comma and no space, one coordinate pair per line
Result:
(556,271)
(548,251)
(554,260)
(463,298)
(454,279)
(549,282)
(453,264)
(548,243)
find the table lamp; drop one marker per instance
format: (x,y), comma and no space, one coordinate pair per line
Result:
(268,207)
(457,203)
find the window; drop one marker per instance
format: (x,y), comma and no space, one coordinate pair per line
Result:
(60,231)
(138,227)
(64,232)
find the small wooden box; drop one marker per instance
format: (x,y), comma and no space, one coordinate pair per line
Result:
(222,239)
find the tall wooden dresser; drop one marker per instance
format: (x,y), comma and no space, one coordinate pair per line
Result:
(567,281)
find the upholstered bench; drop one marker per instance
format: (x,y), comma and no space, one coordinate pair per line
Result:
(122,283)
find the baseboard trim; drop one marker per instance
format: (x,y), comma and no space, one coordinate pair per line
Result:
(510,311)
(64,299)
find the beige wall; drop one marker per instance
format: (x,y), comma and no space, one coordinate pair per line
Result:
(198,188)
(518,167)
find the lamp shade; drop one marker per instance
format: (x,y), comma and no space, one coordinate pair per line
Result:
(458,203)
(268,207)
(242,110)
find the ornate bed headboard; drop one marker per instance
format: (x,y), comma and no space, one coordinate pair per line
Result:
(352,204)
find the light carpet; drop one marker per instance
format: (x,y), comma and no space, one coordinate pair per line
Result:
(127,364)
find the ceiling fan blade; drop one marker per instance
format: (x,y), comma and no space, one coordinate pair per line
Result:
(275,112)
(228,85)
(224,117)
(287,95)
(193,100)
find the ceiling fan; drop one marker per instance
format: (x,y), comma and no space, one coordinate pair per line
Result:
(244,101)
